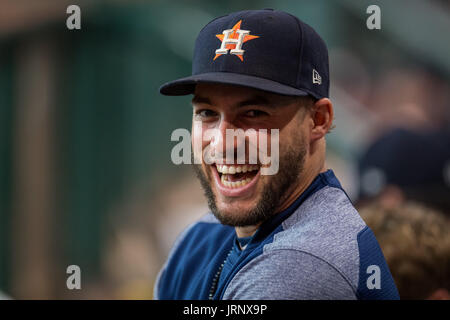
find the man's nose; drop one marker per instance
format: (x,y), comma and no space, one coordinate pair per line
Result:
(224,139)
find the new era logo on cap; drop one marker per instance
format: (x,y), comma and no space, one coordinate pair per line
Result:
(317,79)
(266,49)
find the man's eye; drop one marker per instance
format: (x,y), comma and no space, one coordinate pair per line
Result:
(255,113)
(205,113)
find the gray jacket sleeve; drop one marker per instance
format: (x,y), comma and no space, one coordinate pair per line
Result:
(288,274)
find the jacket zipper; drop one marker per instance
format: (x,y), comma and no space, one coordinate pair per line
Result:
(215,280)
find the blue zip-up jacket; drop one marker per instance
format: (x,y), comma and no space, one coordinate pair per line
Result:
(318,248)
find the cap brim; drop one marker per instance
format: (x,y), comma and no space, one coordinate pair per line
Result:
(185,86)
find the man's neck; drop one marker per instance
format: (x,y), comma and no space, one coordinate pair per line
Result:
(305,181)
(246,231)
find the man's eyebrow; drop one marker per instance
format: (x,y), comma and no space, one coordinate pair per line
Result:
(255,101)
(252,101)
(199,99)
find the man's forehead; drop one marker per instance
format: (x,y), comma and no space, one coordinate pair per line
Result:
(211,93)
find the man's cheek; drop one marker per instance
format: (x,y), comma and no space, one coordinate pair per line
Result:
(269,152)
(197,141)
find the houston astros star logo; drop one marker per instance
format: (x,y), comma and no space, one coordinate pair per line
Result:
(233,39)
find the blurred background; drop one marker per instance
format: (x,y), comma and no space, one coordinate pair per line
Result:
(85,170)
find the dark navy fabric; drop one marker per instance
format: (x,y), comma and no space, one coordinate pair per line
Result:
(280,60)
(370,254)
(190,271)
(230,261)
(243,241)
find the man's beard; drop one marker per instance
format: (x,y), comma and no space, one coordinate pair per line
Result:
(273,193)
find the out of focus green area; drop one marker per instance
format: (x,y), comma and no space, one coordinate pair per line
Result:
(85,136)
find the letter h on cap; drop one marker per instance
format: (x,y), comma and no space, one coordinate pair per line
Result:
(227,40)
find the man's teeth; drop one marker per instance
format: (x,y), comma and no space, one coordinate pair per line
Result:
(227,170)
(234,184)
(236,169)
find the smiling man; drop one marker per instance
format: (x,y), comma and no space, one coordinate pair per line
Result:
(289,234)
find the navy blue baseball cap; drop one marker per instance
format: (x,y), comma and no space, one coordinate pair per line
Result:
(416,162)
(266,49)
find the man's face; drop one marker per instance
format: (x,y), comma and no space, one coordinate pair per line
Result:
(238,194)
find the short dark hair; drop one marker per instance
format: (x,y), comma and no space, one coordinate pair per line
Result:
(416,244)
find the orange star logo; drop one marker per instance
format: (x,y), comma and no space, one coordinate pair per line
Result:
(233,40)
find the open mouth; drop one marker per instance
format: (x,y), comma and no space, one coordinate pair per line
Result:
(237,176)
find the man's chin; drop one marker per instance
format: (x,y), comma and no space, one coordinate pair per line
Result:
(235,215)
(242,212)
(247,210)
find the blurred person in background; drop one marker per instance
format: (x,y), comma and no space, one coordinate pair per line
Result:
(413,99)
(407,165)
(416,243)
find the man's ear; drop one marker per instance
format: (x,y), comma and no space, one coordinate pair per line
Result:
(322,116)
